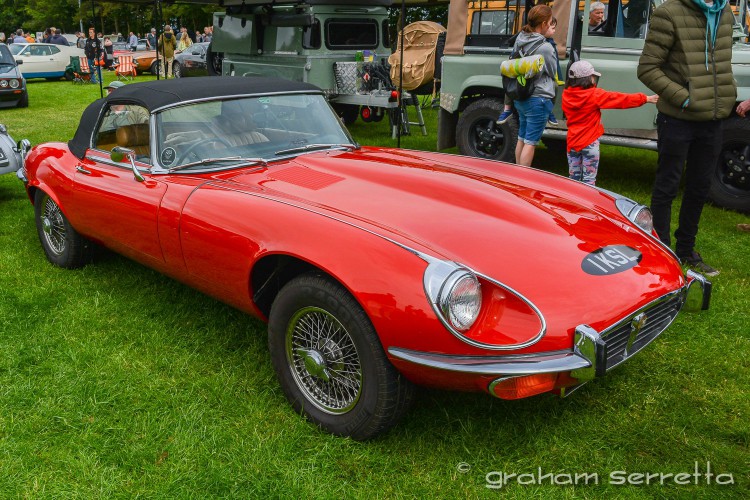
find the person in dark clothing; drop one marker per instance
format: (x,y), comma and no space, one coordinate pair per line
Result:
(687,60)
(93,51)
(58,39)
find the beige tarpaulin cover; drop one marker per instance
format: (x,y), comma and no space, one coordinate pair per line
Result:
(458,15)
(420,45)
(561,11)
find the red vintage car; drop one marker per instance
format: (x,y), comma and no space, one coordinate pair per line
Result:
(377,269)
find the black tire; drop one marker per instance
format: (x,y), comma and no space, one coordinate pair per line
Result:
(330,362)
(730,186)
(478,135)
(62,244)
(347,112)
(214,61)
(23,102)
(154,68)
(556,146)
(177,69)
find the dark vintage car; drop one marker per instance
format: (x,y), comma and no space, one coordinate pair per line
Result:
(376,269)
(191,61)
(13,91)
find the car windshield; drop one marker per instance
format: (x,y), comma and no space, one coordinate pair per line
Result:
(263,127)
(15,48)
(5,56)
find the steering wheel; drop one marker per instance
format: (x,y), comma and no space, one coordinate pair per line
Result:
(201,143)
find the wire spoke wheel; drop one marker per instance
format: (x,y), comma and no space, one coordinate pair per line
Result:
(53,227)
(324,360)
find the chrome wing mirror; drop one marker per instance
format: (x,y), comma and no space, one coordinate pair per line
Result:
(119,153)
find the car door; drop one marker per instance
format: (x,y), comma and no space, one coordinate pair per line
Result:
(111,205)
(37,60)
(58,60)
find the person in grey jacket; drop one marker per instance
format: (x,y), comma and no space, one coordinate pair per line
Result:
(534,111)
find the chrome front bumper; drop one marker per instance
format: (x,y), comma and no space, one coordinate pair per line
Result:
(593,353)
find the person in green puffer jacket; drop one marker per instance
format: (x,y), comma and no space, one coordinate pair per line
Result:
(687,61)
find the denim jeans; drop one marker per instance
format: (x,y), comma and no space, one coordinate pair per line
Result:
(692,147)
(94,71)
(532,118)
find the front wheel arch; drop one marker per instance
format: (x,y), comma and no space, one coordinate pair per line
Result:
(330,361)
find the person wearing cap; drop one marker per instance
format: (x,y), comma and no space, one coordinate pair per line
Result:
(582,103)
(687,60)
(119,115)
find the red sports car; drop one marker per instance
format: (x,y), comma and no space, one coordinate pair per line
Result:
(377,269)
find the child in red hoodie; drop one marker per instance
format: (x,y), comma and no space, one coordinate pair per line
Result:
(582,103)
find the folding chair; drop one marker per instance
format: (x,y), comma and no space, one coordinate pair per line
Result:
(82,74)
(125,68)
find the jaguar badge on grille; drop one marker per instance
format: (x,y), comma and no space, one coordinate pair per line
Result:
(636,325)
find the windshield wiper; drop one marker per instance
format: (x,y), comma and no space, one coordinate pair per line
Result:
(206,161)
(7,63)
(313,147)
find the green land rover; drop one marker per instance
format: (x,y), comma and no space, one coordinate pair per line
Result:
(471,95)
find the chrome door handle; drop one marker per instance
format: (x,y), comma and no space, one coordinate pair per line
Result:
(82,170)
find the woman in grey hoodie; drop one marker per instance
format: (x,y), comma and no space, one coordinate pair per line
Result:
(534,111)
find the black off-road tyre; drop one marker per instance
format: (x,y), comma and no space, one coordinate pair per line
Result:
(62,244)
(478,135)
(730,185)
(330,362)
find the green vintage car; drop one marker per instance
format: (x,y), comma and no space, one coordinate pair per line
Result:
(472,94)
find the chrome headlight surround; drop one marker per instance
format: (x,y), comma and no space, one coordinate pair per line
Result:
(455,294)
(14,84)
(638,214)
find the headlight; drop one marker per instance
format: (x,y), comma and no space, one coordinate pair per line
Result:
(455,294)
(3,83)
(638,214)
(479,310)
(461,300)
(14,84)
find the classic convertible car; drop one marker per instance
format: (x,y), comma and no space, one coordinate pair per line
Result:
(377,269)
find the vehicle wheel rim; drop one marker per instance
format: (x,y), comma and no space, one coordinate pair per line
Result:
(53,227)
(735,167)
(324,360)
(176,70)
(486,138)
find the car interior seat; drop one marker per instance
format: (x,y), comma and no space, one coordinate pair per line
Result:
(135,137)
(239,129)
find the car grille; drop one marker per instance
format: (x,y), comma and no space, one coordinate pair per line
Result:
(624,339)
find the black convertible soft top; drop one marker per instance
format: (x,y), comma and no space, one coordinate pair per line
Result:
(163,93)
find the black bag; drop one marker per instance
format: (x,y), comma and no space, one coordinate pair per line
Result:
(513,87)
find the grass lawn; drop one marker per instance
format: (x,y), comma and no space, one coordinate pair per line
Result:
(117,381)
